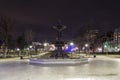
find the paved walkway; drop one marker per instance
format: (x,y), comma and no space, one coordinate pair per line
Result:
(89,56)
(12,59)
(18,58)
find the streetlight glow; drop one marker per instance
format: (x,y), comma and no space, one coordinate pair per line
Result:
(45,44)
(30,46)
(86,45)
(71,43)
(18,49)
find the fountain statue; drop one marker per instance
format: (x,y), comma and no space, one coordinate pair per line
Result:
(59,43)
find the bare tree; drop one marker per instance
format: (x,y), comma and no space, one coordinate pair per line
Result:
(6,27)
(87,36)
(80,40)
(29,37)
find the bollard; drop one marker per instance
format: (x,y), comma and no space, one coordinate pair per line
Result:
(94,56)
(21,57)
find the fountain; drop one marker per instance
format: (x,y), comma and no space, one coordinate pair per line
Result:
(59,43)
(58,56)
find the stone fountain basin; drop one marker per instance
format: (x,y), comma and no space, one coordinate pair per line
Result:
(58,61)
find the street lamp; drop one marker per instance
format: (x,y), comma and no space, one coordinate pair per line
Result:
(86,45)
(45,44)
(86,48)
(30,46)
(71,43)
(18,49)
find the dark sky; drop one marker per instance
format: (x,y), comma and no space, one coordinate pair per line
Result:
(41,15)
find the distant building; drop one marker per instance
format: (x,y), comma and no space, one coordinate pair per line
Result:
(91,36)
(117,37)
(113,44)
(93,33)
(36,43)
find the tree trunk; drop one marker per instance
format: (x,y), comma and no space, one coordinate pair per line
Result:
(5,52)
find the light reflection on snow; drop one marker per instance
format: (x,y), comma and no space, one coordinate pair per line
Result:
(96,69)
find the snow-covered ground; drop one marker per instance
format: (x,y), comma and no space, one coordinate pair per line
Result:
(96,69)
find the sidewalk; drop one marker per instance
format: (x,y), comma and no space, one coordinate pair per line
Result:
(113,56)
(102,55)
(105,57)
(25,58)
(10,59)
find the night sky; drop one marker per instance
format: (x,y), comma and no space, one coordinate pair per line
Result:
(77,15)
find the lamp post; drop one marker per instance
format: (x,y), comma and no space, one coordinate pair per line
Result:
(46,46)
(71,44)
(30,50)
(86,48)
